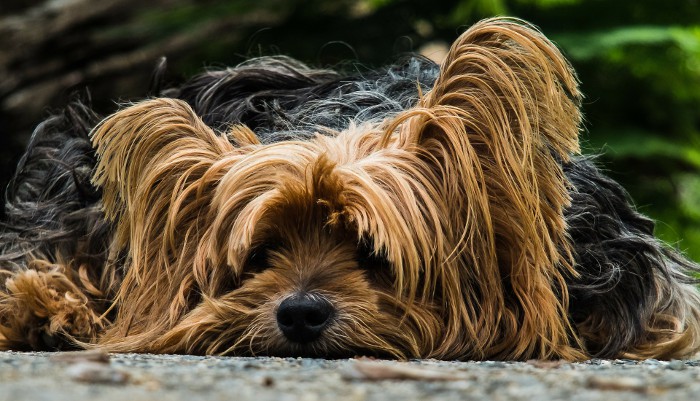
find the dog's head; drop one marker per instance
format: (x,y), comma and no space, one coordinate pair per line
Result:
(437,232)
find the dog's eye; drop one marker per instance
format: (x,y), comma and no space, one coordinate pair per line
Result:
(368,258)
(259,258)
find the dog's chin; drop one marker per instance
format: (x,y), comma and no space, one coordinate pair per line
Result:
(316,349)
(284,348)
(320,349)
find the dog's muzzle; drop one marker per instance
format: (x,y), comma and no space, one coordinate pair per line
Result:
(302,317)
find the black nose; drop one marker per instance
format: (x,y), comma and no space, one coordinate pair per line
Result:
(302,317)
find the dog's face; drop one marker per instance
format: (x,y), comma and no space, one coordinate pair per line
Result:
(435,233)
(309,235)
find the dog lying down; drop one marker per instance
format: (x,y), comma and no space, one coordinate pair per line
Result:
(416,211)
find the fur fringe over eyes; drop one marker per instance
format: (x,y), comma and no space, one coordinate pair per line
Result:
(273,209)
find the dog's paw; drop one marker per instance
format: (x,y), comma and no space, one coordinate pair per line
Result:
(45,310)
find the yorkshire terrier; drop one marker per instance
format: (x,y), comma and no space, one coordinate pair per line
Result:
(418,211)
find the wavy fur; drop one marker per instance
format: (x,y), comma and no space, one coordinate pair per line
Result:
(442,212)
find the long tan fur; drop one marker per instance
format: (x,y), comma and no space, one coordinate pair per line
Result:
(155,170)
(439,232)
(474,233)
(504,109)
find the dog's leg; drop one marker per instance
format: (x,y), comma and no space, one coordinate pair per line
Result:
(54,240)
(673,331)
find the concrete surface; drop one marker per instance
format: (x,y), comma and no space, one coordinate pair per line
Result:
(133,377)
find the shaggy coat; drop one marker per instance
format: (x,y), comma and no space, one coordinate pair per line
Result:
(418,211)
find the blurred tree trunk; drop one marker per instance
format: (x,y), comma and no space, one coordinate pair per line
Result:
(52,48)
(57,45)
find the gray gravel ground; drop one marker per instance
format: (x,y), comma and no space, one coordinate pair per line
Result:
(134,377)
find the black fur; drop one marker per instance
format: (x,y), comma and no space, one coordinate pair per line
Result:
(280,98)
(53,209)
(51,205)
(618,259)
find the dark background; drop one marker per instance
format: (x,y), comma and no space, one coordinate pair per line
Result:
(638,60)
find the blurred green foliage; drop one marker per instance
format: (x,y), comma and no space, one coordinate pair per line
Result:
(642,81)
(638,61)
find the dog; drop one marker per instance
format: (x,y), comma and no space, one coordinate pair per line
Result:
(415,211)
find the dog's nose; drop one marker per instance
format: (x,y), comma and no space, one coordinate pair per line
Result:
(302,317)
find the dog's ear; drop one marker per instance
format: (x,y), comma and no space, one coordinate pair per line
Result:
(502,117)
(158,166)
(144,150)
